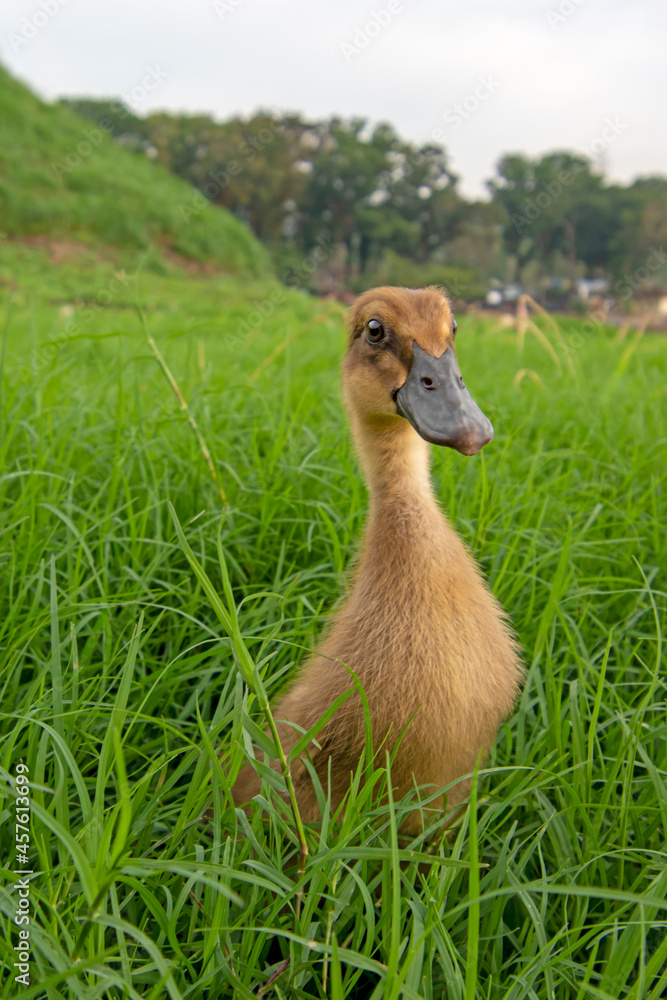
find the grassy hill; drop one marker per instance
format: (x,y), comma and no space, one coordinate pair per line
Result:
(62,177)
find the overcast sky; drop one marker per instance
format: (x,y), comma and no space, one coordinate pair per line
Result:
(481,77)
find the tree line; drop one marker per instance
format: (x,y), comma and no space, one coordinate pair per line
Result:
(393,209)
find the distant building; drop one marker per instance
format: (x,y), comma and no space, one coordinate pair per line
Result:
(588,287)
(503,295)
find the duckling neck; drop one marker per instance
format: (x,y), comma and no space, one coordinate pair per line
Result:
(395,461)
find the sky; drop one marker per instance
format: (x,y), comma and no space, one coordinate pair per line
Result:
(482,78)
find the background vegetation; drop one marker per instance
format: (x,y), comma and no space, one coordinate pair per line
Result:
(385,201)
(122,676)
(62,179)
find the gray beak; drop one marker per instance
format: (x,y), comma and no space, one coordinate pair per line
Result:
(438,405)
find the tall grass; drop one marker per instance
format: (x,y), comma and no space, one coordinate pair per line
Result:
(122,678)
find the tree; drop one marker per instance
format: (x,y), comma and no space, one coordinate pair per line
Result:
(554,203)
(341,181)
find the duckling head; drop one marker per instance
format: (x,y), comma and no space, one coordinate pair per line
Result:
(401,365)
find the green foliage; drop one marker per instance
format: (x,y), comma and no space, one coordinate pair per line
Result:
(62,178)
(557,204)
(368,191)
(462,283)
(119,674)
(337,182)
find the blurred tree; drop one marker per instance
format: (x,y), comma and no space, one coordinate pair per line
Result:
(546,201)
(363,189)
(252,167)
(641,226)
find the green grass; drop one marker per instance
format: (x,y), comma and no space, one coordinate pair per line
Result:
(63,178)
(122,673)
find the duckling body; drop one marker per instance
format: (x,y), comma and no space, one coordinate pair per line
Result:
(419,627)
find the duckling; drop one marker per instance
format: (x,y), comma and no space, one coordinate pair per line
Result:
(432,647)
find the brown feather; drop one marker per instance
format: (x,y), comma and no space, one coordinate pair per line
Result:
(419,626)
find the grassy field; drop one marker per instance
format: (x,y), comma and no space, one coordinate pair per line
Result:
(63,177)
(122,673)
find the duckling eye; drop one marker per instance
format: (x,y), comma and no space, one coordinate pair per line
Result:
(374,331)
(455,327)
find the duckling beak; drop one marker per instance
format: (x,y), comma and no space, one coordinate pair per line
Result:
(438,405)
